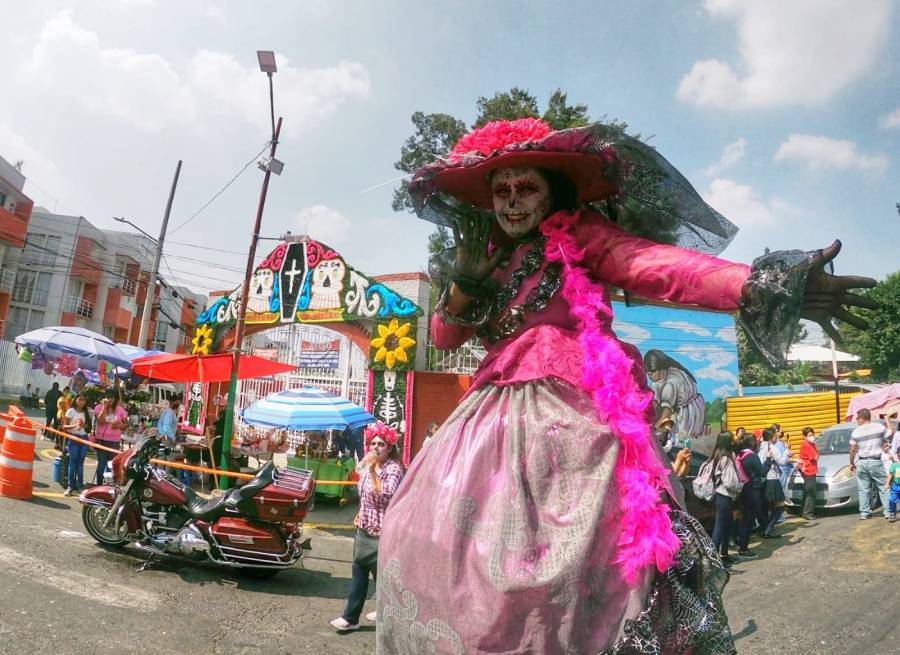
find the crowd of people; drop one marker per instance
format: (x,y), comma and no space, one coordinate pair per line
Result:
(750,472)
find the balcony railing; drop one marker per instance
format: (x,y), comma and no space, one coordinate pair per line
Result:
(79,306)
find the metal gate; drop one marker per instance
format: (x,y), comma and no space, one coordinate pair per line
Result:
(325,359)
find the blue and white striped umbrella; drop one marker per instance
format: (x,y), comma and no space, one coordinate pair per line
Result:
(306,409)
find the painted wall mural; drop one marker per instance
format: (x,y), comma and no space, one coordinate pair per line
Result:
(690,357)
(306,281)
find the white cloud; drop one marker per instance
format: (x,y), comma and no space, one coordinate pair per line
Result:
(14,147)
(630,332)
(148,92)
(731,155)
(684,326)
(823,152)
(798,53)
(724,391)
(728,334)
(739,204)
(715,357)
(323,224)
(891,120)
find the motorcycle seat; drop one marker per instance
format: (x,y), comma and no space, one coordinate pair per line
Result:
(202,509)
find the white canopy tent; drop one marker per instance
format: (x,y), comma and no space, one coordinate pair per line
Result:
(801,353)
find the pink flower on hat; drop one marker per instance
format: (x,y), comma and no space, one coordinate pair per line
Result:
(497,135)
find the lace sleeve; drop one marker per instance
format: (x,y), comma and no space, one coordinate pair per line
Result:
(770,308)
(440,269)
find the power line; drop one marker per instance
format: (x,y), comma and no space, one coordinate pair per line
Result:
(222,190)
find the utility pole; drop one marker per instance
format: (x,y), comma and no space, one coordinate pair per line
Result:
(225,482)
(154,273)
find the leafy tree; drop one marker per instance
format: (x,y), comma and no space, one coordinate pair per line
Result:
(506,106)
(560,115)
(879,346)
(435,135)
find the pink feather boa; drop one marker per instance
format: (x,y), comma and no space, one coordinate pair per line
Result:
(647,535)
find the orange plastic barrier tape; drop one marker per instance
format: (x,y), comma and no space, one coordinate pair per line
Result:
(176,465)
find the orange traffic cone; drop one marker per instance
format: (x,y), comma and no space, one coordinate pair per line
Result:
(17,459)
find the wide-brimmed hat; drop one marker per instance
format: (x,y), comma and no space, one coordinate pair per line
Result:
(609,170)
(587,163)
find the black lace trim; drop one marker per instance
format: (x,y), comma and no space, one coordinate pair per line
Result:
(684,608)
(771,315)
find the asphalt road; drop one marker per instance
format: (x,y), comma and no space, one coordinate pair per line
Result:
(825,588)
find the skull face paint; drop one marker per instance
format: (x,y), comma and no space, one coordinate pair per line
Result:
(521,199)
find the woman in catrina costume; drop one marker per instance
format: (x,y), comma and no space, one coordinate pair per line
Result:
(542,517)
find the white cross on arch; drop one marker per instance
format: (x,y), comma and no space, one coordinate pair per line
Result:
(292,273)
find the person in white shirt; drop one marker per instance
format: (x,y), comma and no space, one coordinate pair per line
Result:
(865,460)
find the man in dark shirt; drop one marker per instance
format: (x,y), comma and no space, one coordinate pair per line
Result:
(50,399)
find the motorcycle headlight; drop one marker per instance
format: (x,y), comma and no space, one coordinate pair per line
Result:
(843,474)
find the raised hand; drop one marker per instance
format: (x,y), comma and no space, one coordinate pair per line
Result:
(472,232)
(827,295)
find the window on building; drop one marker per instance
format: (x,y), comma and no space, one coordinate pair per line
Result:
(40,249)
(16,322)
(42,289)
(2,199)
(23,288)
(32,287)
(161,335)
(23,319)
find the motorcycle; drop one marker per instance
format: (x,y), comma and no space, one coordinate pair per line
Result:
(257,527)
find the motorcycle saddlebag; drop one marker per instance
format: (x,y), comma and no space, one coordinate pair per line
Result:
(287,498)
(244,535)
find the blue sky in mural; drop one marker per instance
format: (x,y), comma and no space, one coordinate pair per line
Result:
(703,342)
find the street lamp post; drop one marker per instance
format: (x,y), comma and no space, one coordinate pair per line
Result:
(266,65)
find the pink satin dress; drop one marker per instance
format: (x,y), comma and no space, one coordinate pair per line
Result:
(501,537)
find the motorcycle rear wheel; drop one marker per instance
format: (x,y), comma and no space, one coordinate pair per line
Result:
(93,518)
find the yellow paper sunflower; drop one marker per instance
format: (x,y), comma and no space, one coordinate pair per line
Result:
(202,340)
(392,343)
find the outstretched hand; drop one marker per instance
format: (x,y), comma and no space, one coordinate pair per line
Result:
(827,295)
(472,233)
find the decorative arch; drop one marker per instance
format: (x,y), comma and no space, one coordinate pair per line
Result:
(305,281)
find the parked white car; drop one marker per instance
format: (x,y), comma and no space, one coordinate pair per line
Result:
(835,482)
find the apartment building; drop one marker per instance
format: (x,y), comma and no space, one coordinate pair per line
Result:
(15,214)
(70,272)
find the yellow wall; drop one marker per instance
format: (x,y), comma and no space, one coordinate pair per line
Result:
(793,411)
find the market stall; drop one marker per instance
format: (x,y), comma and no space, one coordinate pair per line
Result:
(308,419)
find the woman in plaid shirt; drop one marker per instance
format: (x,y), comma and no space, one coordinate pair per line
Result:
(380,474)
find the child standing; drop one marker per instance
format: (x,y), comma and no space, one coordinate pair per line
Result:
(77,423)
(892,484)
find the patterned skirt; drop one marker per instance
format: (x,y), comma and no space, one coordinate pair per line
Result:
(502,536)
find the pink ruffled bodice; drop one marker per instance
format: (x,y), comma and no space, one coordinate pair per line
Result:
(547,344)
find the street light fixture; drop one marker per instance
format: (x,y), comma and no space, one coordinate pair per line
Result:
(267,65)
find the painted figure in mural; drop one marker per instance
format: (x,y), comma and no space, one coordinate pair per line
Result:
(261,285)
(388,404)
(550,518)
(194,405)
(327,283)
(675,394)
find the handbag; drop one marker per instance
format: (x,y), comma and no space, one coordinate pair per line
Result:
(365,549)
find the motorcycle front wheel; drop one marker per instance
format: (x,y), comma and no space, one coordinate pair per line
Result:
(93,518)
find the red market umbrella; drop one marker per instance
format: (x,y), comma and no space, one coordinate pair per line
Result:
(204,368)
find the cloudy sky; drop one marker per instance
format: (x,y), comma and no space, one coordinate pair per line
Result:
(785,114)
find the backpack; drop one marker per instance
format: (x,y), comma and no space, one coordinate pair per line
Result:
(704,484)
(741,473)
